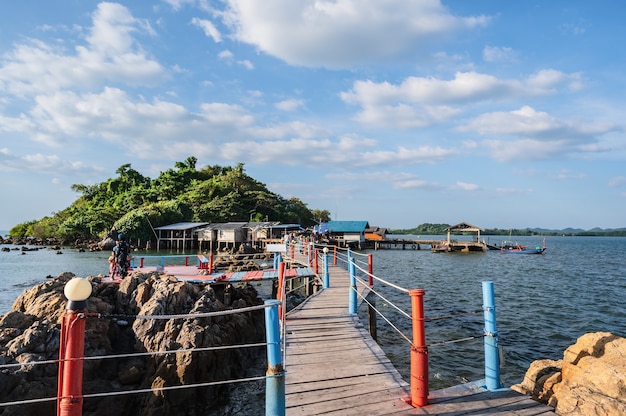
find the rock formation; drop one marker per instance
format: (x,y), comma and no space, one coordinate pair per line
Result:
(30,333)
(590,380)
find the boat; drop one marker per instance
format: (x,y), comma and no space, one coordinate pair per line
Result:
(439,248)
(509,247)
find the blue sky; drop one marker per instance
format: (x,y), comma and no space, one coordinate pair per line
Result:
(398,112)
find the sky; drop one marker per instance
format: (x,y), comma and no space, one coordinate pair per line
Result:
(397,112)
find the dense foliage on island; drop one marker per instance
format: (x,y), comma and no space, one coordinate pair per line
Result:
(441,229)
(134,203)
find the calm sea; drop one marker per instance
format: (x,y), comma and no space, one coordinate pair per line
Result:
(543,302)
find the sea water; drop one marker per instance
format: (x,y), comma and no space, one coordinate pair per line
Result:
(543,302)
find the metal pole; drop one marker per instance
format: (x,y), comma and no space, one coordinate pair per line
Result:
(72,348)
(419,351)
(281,288)
(352,298)
(326,280)
(492,353)
(275,375)
(370,269)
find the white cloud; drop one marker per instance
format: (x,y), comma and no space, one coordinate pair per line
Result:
(499,54)
(226,55)
(533,135)
(110,55)
(343,33)
(291,104)
(465,186)
(208,27)
(246,63)
(421,101)
(617,182)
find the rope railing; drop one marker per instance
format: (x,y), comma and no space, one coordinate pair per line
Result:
(366,280)
(275,388)
(66,400)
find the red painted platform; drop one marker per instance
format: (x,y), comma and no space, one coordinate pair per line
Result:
(195,274)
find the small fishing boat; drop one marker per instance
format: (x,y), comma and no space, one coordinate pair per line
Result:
(439,248)
(509,247)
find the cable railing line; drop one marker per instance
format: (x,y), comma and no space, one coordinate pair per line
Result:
(140,391)
(388,321)
(180,316)
(137,354)
(383,280)
(393,305)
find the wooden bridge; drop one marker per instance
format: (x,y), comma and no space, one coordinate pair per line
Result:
(334,367)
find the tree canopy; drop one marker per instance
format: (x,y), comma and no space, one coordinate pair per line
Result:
(134,203)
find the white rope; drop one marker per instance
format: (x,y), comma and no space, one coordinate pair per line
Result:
(198,315)
(137,354)
(384,281)
(150,390)
(388,321)
(390,303)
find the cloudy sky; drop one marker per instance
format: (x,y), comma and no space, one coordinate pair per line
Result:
(398,112)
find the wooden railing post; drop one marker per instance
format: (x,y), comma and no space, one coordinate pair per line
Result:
(419,351)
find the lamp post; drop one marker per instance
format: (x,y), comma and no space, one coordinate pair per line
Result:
(72,348)
(326,280)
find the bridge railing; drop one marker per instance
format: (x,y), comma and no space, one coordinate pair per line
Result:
(70,396)
(364,287)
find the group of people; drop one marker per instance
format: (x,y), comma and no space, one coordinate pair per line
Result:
(119,261)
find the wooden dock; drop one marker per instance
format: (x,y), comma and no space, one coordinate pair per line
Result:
(334,367)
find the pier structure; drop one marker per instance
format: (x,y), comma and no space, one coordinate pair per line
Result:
(334,366)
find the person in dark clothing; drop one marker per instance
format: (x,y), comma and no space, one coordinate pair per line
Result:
(120,252)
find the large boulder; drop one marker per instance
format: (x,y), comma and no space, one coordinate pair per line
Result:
(590,380)
(119,324)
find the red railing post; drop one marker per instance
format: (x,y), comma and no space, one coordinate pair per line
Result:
(370,269)
(211,263)
(419,351)
(334,255)
(186,260)
(72,349)
(316,256)
(141,259)
(279,292)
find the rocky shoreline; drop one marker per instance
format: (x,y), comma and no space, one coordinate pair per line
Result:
(30,332)
(590,380)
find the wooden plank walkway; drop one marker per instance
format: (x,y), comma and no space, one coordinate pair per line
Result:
(334,367)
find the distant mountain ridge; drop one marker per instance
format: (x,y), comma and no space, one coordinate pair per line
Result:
(570,230)
(438,229)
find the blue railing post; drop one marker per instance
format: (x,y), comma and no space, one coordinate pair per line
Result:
(492,353)
(275,375)
(276,260)
(352,298)
(326,279)
(163,262)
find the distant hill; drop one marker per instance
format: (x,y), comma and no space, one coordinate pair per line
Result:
(439,229)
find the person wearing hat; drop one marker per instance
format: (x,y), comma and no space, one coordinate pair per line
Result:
(120,253)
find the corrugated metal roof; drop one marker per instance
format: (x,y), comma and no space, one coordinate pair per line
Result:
(182,226)
(347,226)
